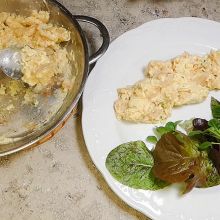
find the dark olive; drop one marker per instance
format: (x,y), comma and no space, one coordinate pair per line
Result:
(200,124)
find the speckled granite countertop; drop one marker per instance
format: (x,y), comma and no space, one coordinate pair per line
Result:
(57,180)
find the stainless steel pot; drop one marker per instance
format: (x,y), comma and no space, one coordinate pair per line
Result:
(60,16)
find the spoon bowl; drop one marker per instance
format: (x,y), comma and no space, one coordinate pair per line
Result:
(10,63)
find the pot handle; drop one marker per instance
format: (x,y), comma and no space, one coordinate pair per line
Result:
(104,33)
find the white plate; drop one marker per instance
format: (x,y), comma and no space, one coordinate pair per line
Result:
(123,64)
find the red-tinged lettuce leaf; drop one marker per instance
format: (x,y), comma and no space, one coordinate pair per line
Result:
(177,159)
(194,181)
(214,155)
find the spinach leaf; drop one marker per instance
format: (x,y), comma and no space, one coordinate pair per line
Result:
(131,164)
(215,107)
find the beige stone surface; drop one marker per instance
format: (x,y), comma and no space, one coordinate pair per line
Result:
(57,180)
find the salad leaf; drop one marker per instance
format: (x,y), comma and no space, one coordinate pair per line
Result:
(214,155)
(162,130)
(194,133)
(215,123)
(215,107)
(209,168)
(187,125)
(172,125)
(177,159)
(131,164)
(214,132)
(205,145)
(152,139)
(169,127)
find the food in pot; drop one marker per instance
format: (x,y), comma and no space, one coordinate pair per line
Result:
(186,79)
(46,66)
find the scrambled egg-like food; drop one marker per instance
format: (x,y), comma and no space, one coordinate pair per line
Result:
(45,63)
(186,79)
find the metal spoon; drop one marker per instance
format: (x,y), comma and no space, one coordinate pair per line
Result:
(10,62)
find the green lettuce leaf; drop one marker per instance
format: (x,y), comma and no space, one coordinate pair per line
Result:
(215,107)
(209,168)
(187,125)
(152,139)
(214,129)
(131,164)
